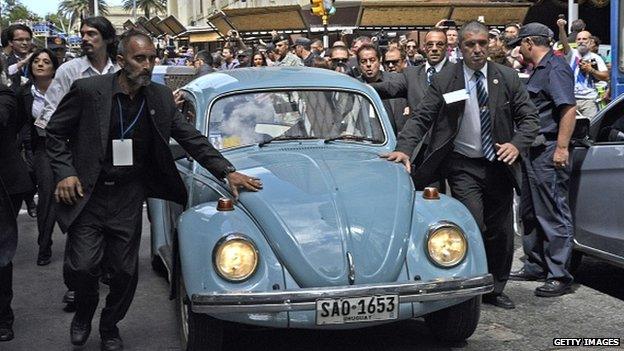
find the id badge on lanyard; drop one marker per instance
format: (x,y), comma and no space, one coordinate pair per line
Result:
(122,147)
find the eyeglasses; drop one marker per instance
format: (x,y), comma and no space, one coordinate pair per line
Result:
(391,62)
(341,60)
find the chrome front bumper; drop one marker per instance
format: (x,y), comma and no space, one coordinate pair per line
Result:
(305,299)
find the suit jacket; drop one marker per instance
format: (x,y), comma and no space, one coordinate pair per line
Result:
(13,169)
(410,84)
(514,119)
(30,137)
(394,106)
(77,139)
(16,79)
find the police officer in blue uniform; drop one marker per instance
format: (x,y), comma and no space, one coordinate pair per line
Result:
(546,169)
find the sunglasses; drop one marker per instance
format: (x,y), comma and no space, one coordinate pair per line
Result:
(341,60)
(391,62)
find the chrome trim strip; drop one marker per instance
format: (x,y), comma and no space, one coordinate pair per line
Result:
(305,299)
(351,268)
(600,254)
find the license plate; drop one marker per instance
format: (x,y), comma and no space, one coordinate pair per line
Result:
(357,309)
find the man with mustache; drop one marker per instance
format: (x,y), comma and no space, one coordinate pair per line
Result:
(99,49)
(109,145)
(480,117)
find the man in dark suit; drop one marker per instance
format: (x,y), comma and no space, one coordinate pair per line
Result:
(369,60)
(14,184)
(20,40)
(480,117)
(413,82)
(108,144)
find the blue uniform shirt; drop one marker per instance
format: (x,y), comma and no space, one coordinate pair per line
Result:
(551,87)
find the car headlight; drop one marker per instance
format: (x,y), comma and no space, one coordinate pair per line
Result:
(446,244)
(235,257)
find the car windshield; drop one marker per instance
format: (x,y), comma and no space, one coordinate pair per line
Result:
(262,117)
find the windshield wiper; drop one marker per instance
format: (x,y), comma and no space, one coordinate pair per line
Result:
(353,137)
(284,137)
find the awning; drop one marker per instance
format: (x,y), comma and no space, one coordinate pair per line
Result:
(266,18)
(203,37)
(425,13)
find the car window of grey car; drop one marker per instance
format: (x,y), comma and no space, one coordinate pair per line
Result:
(251,118)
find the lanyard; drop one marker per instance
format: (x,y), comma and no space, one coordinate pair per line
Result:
(121,126)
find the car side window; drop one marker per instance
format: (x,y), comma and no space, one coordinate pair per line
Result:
(612,125)
(186,105)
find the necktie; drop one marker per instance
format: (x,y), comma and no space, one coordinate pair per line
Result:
(430,72)
(486,122)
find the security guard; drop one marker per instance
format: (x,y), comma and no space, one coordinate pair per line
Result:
(546,213)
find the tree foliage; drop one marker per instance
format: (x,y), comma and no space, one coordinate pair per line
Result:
(149,7)
(76,10)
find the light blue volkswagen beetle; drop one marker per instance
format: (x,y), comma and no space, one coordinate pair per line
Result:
(338,238)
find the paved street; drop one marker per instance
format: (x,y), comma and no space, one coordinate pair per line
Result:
(594,310)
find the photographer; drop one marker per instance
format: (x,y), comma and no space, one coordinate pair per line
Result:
(589,68)
(234,40)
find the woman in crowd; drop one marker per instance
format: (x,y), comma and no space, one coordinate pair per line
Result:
(31,97)
(258,60)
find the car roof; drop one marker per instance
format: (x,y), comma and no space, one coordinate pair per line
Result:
(217,83)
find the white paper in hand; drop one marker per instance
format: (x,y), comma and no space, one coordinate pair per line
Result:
(455,96)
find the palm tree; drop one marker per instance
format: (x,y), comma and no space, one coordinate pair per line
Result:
(76,10)
(147,6)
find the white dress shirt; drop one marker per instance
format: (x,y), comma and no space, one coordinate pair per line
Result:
(65,76)
(468,139)
(437,67)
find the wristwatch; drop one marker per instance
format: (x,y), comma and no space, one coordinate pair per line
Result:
(228,170)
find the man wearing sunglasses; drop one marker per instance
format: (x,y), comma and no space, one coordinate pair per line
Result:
(412,82)
(394,60)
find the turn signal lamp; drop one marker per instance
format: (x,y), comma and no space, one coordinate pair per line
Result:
(225,204)
(446,245)
(235,258)
(431,193)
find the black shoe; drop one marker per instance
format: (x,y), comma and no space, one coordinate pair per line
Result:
(111,343)
(502,301)
(43,261)
(523,275)
(6,333)
(553,288)
(79,331)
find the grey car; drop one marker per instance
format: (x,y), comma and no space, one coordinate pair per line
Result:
(597,186)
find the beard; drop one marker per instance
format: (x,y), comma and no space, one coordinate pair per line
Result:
(138,78)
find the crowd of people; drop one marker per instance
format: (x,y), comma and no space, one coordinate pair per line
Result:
(53,141)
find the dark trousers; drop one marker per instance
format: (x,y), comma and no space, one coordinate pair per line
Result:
(6,274)
(485,188)
(46,214)
(107,230)
(546,215)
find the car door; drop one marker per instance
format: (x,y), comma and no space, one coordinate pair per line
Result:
(597,193)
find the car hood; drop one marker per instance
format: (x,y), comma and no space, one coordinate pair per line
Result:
(320,204)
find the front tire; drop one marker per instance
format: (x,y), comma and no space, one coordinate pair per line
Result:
(455,323)
(198,332)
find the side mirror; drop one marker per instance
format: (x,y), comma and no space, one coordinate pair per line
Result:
(177,151)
